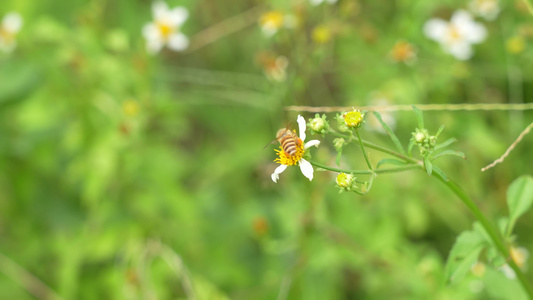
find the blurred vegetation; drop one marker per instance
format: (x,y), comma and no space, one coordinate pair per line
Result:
(134,176)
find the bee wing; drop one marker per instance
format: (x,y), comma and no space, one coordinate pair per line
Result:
(273,141)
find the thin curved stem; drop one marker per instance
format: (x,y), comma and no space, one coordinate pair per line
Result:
(363,149)
(490,229)
(367,172)
(375,147)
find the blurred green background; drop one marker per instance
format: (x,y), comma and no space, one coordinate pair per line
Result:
(134,176)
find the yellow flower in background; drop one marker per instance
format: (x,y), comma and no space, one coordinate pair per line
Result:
(130,108)
(403,51)
(487,9)
(321,34)
(11,24)
(515,45)
(165,29)
(274,20)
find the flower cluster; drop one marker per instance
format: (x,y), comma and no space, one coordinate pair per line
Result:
(165,29)
(9,28)
(426,143)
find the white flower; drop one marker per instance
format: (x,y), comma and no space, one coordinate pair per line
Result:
(285,160)
(9,28)
(318,2)
(274,20)
(165,29)
(457,36)
(487,9)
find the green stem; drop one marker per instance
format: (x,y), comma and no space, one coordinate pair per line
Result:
(491,231)
(367,172)
(363,149)
(376,147)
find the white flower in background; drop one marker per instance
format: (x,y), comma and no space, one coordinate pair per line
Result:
(487,9)
(9,29)
(318,2)
(289,160)
(274,20)
(457,36)
(165,29)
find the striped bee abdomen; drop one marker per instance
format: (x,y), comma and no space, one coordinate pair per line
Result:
(288,141)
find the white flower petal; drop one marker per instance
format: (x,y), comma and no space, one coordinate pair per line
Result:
(159,10)
(461,50)
(508,271)
(461,17)
(12,22)
(277,171)
(306,168)
(316,2)
(150,32)
(435,29)
(475,33)
(331,1)
(153,46)
(311,143)
(301,127)
(269,30)
(178,42)
(178,16)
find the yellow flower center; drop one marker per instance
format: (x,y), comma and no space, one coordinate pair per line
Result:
(7,35)
(130,108)
(321,34)
(165,30)
(453,34)
(273,19)
(290,160)
(353,118)
(515,44)
(344,180)
(519,256)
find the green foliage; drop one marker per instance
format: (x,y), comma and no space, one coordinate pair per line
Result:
(126,175)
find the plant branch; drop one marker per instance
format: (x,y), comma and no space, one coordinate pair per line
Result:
(490,229)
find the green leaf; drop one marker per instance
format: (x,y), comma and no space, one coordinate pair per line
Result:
(519,197)
(391,161)
(428,165)
(441,128)
(446,144)
(389,131)
(419,117)
(450,152)
(440,172)
(18,80)
(464,254)
(410,147)
(339,156)
(498,286)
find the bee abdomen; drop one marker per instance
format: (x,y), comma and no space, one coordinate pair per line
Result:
(289,146)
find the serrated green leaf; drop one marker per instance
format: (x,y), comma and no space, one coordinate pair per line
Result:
(440,172)
(389,131)
(391,161)
(464,254)
(450,152)
(446,143)
(519,197)
(419,117)
(428,165)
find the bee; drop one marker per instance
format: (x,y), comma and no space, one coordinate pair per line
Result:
(288,140)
